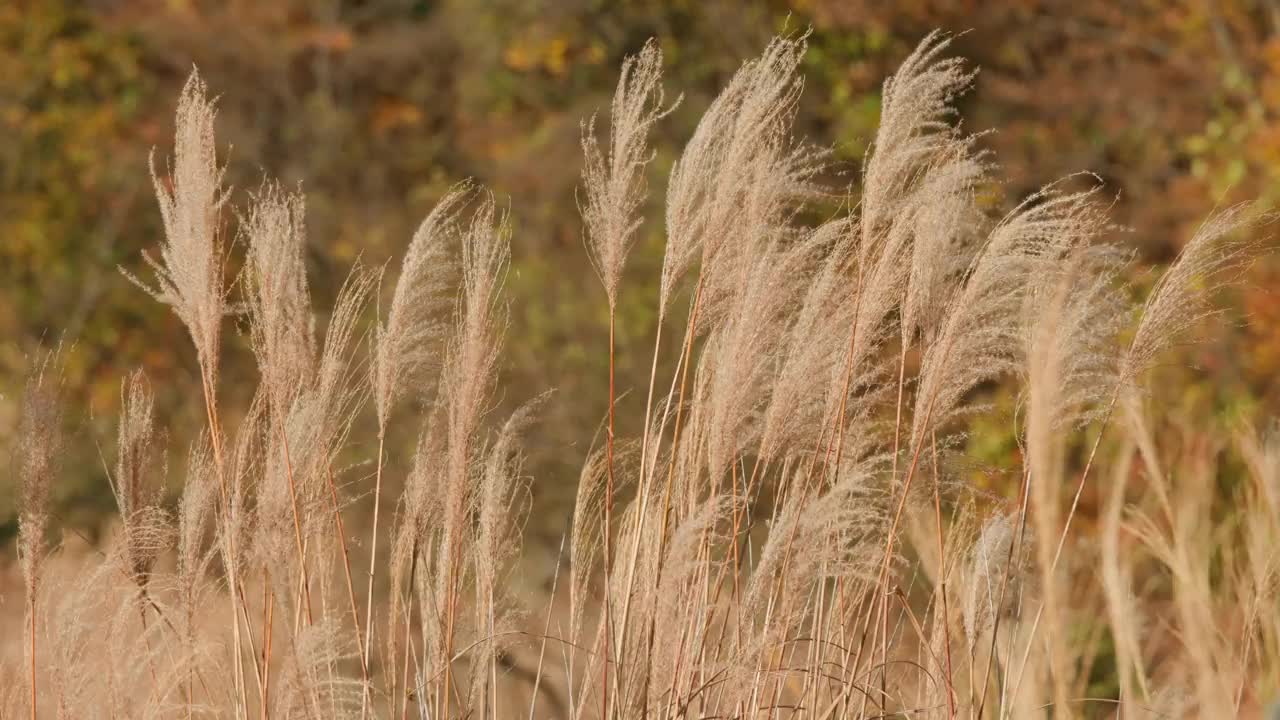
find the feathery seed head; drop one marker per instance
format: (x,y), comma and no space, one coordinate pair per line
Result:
(404,344)
(281,326)
(1214,257)
(917,104)
(990,560)
(198,495)
(189,273)
(144,521)
(614,182)
(740,172)
(39,451)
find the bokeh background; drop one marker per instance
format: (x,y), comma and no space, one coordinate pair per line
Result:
(376,107)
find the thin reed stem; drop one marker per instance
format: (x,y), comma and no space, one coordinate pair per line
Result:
(32,612)
(268,604)
(685,360)
(608,528)
(346,570)
(642,513)
(215,438)
(373,564)
(297,523)
(1084,475)
(942,577)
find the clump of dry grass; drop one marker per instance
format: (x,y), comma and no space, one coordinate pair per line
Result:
(796,536)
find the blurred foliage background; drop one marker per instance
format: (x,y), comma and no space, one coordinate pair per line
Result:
(375,107)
